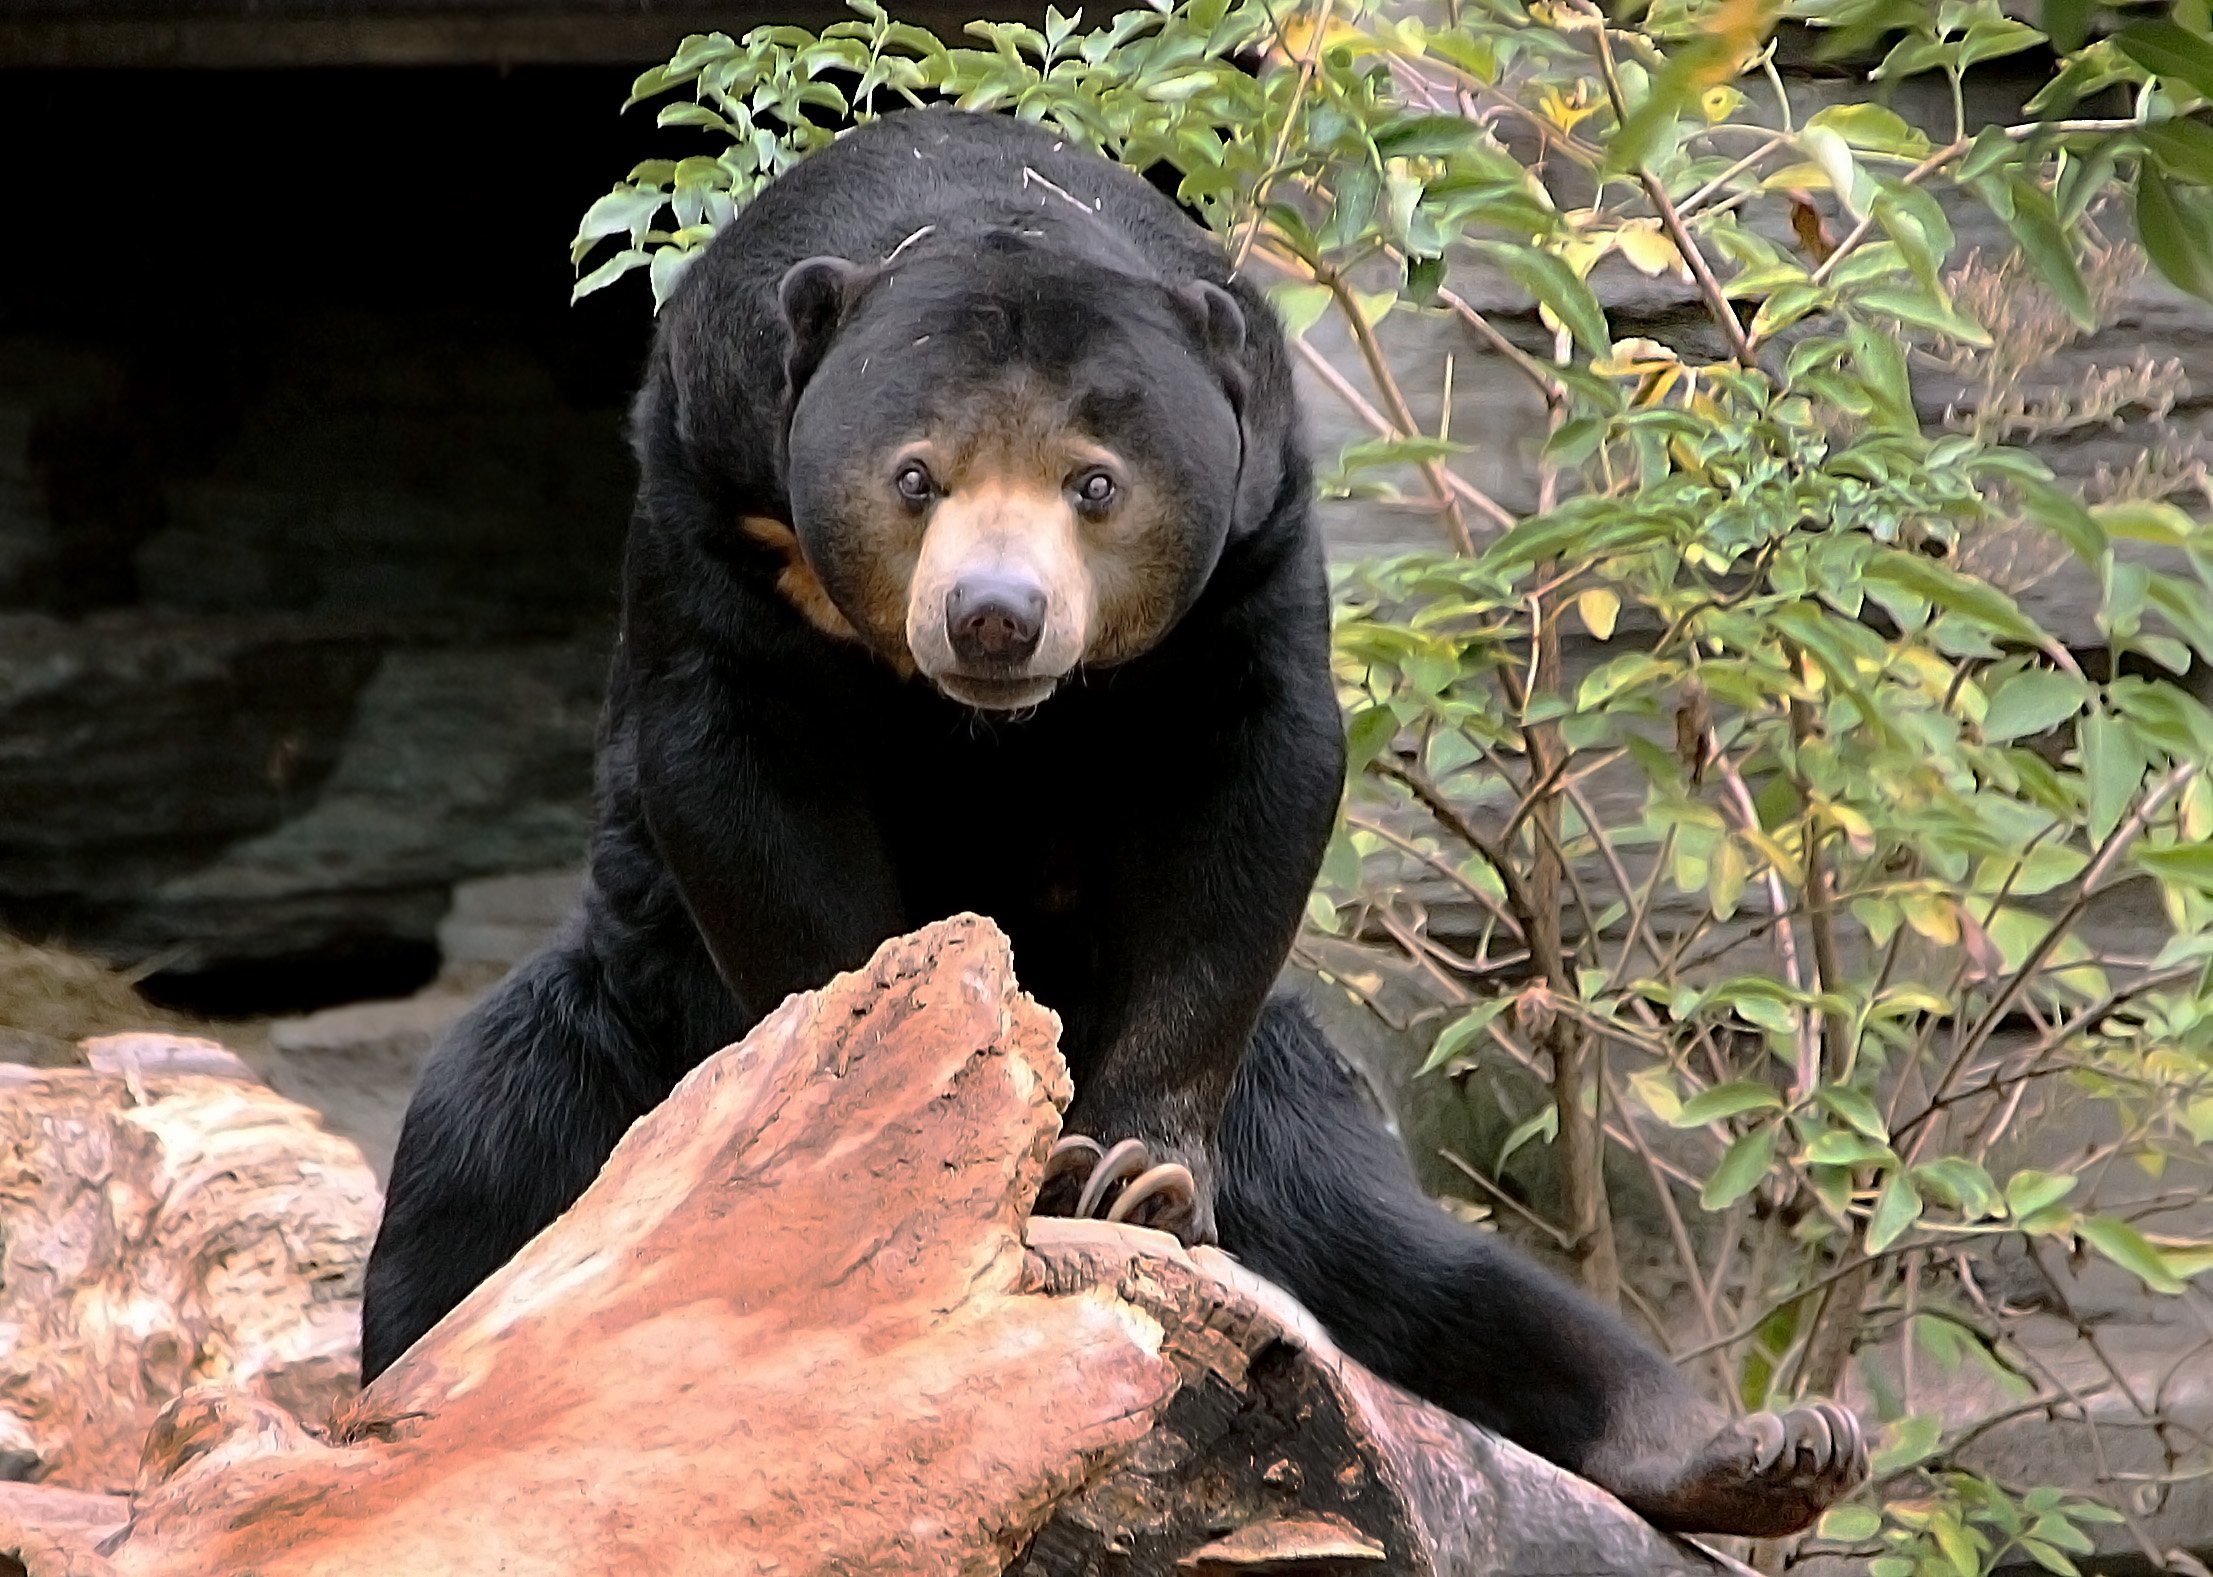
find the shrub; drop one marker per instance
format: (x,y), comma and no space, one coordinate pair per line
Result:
(1731,792)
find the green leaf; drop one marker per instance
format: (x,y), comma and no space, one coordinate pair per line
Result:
(608,272)
(1922,311)
(1873,127)
(2127,1248)
(1548,278)
(2112,768)
(1882,366)
(1457,1036)
(1839,1148)
(623,210)
(1652,123)
(2063,515)
(2066,23)
(2034,702)
(2143,520)
(1726,874)
(1726,1100)
(2029,1191)
(1850,1524)
(1906,1442)
(1962,1184)
(1427,136)
(2190,864)
(1828,150)
(1545,1121)
(1962,1548)
(1856,1108)
(2167,49)
(2183,147)
(2053,1528)
(2044,241)
(1897,1207)
(1977,601)
(1366,733)
(2047,1557)
(669,263)
(2175,223)
(1741,1169)
(1299,306)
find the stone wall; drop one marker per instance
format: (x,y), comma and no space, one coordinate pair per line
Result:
(312,492)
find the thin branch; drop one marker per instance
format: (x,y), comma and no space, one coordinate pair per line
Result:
(1438,475)
(1686,245)
(1291,116)
(2109,855)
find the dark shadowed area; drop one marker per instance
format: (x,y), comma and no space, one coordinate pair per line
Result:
(312,486)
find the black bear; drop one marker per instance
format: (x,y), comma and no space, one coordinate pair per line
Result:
(973,568)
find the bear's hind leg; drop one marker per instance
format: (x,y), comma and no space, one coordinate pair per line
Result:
(1318,1196)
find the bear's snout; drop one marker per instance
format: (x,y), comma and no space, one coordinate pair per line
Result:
(994,621)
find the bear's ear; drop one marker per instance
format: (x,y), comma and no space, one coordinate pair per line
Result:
(1218,322)
(1214,316)
(815,295)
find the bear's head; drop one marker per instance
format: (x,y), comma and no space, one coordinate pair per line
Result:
(1006,461)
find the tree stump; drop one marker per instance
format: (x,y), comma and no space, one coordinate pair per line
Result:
(801,1324)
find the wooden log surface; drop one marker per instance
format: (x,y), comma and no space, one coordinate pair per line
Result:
(166,1222)
(801,1324)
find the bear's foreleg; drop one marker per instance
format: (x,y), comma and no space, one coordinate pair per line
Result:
(1201,888)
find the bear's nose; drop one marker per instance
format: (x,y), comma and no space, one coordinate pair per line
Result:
(994,621)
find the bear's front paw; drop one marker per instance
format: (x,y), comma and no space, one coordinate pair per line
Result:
(1765,1476)
(1124,1183)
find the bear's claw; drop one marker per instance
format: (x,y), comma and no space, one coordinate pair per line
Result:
(1765,1476)
(1124,1184)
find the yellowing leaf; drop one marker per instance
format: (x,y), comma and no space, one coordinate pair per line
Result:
(2185,1259)
(1374,303)
(1906,1442)
(1656,1088)
(1599,607)
(1296,35)
(1718,104)
(1725,883)
(1566,112)
(1932,916)
(1648,250)
(1634,358)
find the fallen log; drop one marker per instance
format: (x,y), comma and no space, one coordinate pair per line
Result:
(801,1324)
(166,1222)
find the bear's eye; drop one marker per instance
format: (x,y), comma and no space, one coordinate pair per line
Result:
(1095,490)
(915,483)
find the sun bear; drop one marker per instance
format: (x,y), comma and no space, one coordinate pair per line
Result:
(973,567)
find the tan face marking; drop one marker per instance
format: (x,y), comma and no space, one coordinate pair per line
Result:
(1002,503)
(798,585)
(1003,525)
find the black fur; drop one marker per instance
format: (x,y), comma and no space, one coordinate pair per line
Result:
(775,802)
